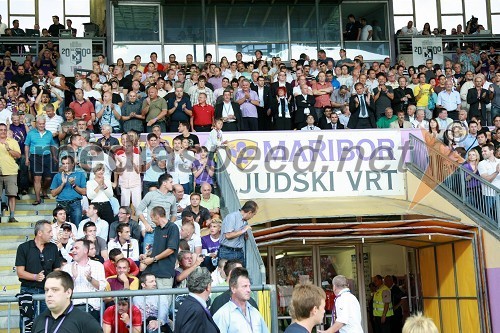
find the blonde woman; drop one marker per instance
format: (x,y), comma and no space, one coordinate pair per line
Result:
(419,324)
(99,192)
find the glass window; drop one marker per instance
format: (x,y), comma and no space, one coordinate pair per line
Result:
(401,21)
(182,50)
(25,22)
(374,13)
(495,20)
(183,24)
(248,51)
(47,8)
(81,7)
(127,52)
(476,8)
(302,23)
(402,7)
(369,50)
(309,49)
(78,23)
(495,8)
(136,23)
(451,7)
(22,7)
(252,23)
(425,12)
(4,12)
(450,22)
(329,23)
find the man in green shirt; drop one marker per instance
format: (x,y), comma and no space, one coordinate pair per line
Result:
(155,110)
(385,122)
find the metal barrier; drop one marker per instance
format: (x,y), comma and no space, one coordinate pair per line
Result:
(254,262)
(471,190)
(450,43)
(270,289)
(23,46)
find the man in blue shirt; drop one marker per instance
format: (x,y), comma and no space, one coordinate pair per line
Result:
(38,148)
(69,186)
(234,229)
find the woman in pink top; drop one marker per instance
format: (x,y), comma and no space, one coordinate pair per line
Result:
(322,91)
(128,168)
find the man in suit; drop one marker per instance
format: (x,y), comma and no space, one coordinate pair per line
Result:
(478,98)
(281,83)
(193,315)
(334,122)
(264,109)
(229,111)
(362,109)
(401,122)
(305,106)
(324,121)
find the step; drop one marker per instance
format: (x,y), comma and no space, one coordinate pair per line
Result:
(14,322)
(28,199)
(11,245)
(49,206)
(7,258)
(10,289)
(7,271)
(11,279)
(28,218)
(21,213)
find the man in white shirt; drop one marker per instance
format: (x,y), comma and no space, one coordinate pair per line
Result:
(347,308)
(366,30)
(128,245)
(449,100)
(419,121)
(489,170)
(409,29)
(310,124)
(88,276)
(443,120)
(93,216)
(187,233)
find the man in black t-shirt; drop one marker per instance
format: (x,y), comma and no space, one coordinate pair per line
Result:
(54,28)
(194,142)
(352,29)
(35,259)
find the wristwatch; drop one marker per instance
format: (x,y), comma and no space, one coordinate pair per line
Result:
(154,259)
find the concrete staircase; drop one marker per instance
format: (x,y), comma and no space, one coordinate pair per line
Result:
(11,235)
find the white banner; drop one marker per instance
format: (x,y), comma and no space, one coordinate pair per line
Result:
(75,54)
(427,48)
(315,164)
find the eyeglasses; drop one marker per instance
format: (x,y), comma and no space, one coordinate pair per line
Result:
(42,259)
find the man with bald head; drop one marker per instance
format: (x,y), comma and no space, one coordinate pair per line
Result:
(181,198)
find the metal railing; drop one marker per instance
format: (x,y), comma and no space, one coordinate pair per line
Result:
(271,308)
(22,46)
(253,259)
(471,190)
(450,43)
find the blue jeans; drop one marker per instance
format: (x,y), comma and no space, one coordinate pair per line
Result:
(495,111)
(229,254)
(74,211)
(148,241)
(43,305)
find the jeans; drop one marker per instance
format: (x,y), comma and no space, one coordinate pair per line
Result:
(43,305)
(166,283)
(23,181)
(74,212)
(495,111)
(225,253)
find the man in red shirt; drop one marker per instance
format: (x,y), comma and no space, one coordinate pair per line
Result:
(124,320)
(203,115)
(84,109)
(110,265)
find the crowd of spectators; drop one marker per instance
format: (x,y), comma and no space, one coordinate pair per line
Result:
(53,30)
(471,28)
(126,207)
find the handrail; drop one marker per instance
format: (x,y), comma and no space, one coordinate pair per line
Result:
(254,262)
(457,181)
(32,45)
(143,292)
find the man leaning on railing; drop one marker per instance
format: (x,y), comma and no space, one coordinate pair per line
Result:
(489,169)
